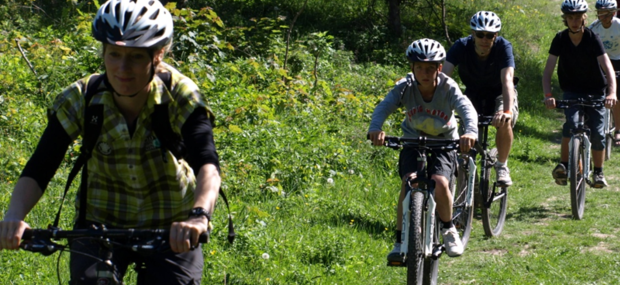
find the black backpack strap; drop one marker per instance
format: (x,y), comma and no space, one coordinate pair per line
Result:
(93,121)
(231,227)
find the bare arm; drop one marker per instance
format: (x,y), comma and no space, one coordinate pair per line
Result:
(184,234)
(502,119)
(25,196)
(552,60)
(448,68)
(605,63)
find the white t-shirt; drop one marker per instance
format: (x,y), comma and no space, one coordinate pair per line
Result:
(610,37)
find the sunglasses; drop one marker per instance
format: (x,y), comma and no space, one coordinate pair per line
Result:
(608,14)
(481,35)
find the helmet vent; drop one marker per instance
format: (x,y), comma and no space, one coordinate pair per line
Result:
(117,12)
(154,15)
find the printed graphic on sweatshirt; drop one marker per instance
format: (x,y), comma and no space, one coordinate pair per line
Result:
(430,121)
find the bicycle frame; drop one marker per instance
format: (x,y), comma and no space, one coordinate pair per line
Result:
(581,131)
(427,187)
(482,147)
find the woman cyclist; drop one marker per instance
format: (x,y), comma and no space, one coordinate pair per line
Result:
(430,99)
(131,181)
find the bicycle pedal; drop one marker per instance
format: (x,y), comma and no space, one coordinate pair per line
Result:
(396,264)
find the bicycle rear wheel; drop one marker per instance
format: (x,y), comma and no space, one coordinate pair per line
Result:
(415,250)
(494,198)
(462,215)
(577,179)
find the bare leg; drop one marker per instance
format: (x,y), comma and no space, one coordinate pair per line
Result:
(503,141)
(564,149)
(598,157)
(443,196)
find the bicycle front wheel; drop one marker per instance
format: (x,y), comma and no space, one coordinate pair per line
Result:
(462,214)
(415,250)
(610,129)
(431,263)
(494,198)
(577,178)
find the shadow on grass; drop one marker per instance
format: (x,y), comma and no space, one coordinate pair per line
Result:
(537,213)
(361,222)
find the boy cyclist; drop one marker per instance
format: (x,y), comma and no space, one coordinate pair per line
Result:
(430,98)
(582,61)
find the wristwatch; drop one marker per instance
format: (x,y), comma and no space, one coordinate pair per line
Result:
(198,212)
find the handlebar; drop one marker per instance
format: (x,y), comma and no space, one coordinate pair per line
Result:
(420,142)
(565,104)
(40,240)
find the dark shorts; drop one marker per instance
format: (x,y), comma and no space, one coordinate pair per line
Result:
(440,162)
(488,107)
(595,120)
(159,268)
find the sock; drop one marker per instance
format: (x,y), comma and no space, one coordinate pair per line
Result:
(447,225)
(398,236)
(501,164)
(598,169)
(565,164)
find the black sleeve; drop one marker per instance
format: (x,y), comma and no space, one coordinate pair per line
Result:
(197,134)
(49,153)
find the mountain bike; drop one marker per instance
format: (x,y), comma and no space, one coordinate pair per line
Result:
(492,197)
(143,241)
(421,238)
(579,168)
(610,132)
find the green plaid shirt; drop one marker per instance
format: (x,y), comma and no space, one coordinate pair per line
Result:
(129,184)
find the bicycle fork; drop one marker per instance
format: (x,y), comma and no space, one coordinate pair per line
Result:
(471,170)
(586,163)
(428,221)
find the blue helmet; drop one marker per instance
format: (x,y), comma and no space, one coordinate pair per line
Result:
(574,6)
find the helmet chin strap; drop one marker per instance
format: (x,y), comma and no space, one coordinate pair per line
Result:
(578,31)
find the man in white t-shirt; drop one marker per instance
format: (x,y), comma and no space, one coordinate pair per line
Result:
(607,27)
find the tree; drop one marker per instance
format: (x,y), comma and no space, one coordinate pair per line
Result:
(394,24)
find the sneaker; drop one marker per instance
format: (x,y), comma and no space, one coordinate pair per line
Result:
(559,174)
(503,175)
(394,255)
(599,180)
(452,242)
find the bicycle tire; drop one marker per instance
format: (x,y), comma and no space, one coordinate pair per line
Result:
(577,179)
(494,198)
(462,215)
(415,250)
(610,129)
(431,263)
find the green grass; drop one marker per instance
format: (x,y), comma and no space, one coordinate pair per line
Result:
(280,142)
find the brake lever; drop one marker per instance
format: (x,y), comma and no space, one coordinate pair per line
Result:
(44,247)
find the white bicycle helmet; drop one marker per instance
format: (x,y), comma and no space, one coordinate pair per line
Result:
(133,23)
(426,50)
(574,6)
(606,4)
(485,21)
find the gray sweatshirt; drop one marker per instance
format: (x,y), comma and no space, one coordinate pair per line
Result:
(433,119)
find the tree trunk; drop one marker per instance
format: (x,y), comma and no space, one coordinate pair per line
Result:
(394,24)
